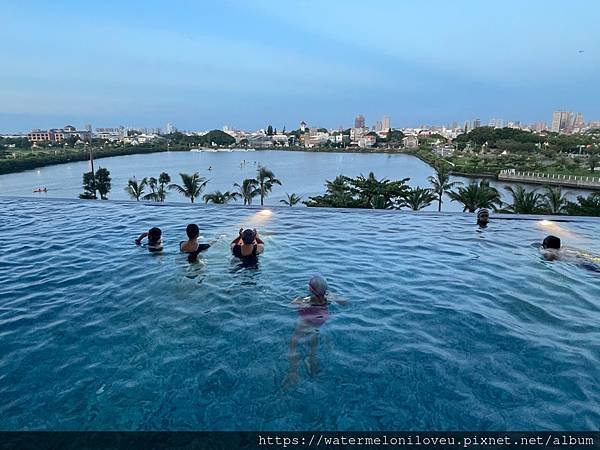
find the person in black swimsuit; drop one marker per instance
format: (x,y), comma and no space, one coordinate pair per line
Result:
(247,245)
(154,236)
(192,247)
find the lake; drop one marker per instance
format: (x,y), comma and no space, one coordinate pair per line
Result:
(303,173)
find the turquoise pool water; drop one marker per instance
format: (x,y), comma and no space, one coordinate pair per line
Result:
(445,327)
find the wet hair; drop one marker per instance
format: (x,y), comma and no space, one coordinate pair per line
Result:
(551,242)
(154,234)
(192,231)
(248,236)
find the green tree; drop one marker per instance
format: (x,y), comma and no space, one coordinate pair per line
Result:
(191,185)
(441,182)
(269,130)
(103,183)
(555,201)
(220,198)
(476,195)
(89,190)
(585,206)
(593,161)
(378,194)
(524,202)
(248,190)
(338,195)
(135,188)
(266,180)
(292,199)
(418,198)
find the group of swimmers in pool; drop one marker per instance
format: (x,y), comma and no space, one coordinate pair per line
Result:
(313,310)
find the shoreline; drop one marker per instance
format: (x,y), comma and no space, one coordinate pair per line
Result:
(17,165)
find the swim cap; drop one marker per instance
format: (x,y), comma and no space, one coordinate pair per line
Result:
(551,242)
(192,231)
(481,212)
(248,236)
(318,285)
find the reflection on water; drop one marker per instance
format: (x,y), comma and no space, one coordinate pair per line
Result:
(447,326)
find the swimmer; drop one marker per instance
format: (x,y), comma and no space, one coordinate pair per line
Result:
(209,167)
(248,244)
(483,218)
(313,312)
(154,236)
(553,250)
(192,247)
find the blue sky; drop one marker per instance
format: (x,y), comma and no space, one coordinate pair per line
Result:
(202,65)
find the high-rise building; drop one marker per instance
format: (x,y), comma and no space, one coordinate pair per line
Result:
(386,123)
(476,123)
(562,122)
(378,126)
(359,121)
(579,123)
(170,128)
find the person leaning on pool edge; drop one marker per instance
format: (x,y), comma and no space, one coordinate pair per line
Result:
(248,244)
(483,217)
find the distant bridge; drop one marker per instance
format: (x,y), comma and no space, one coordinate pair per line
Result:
(576,181)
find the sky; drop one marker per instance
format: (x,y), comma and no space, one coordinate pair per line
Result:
(201,65)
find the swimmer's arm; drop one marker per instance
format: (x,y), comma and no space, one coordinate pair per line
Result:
(337,299)
(138,241)
(300,301)
(237,239)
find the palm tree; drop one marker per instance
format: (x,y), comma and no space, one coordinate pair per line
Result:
(135,188)
(153,185)
(524,202)
(418,198)
(441,182)
(191,186)
(266,180)
(158,187)
(292,199)
(555,201)
(248,190)
(476,196)
(221,198)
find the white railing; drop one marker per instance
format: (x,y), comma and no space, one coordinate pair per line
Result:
(548,177)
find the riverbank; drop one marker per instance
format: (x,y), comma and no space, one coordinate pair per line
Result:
(62,156)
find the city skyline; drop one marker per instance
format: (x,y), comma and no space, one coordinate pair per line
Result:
(247,65)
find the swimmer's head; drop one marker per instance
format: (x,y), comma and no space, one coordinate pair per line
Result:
(192,231)
(483,216)
(154,234)
(248,236)
(318,286)
(551,242)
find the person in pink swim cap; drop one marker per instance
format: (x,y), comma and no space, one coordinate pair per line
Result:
(313,312)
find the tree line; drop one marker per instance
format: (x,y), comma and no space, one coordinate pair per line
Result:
(98,185)
(359,192)
(372,193)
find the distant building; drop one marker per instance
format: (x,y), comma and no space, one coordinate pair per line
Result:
(58,134)
(359,121)
(378,126)
(476,123)
(497,123)
(562,122)
(170,128)
(367,141)
(303,126)
(411,141)
(385,123)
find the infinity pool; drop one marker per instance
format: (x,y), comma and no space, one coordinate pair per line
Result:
(446,327)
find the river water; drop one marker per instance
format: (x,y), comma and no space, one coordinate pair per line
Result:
(302,173)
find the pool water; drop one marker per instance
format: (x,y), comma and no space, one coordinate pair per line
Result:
(445,326)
